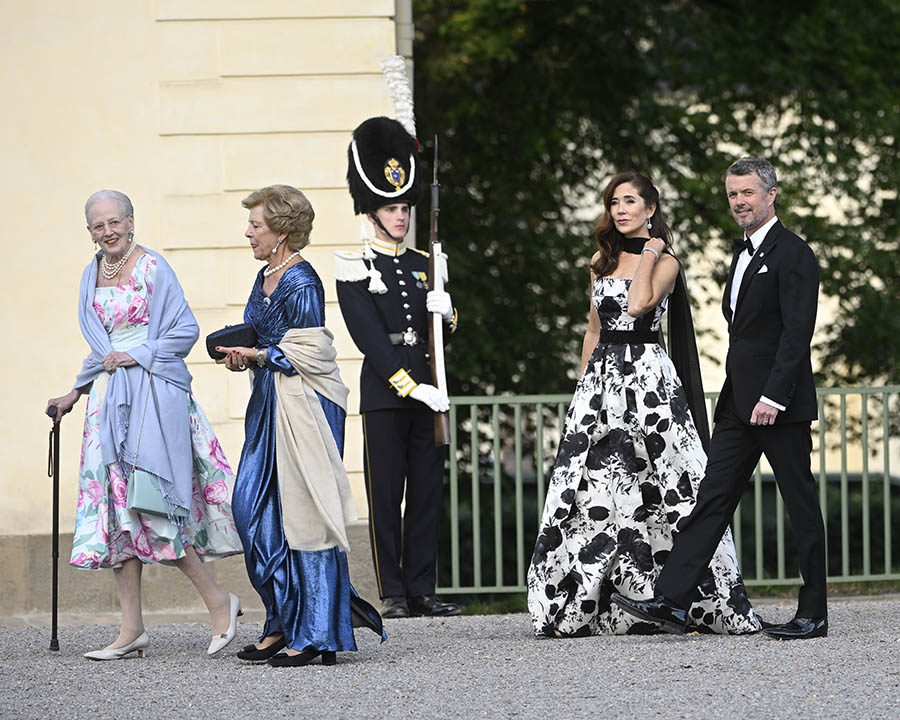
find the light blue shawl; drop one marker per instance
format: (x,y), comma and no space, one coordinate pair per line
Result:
(133,395)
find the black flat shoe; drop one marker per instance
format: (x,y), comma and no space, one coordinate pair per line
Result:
(251,653)
(329,657)
(799,629)
(659,610)
(431,606)
(394,607)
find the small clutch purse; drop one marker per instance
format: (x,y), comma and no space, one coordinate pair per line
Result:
(242,335)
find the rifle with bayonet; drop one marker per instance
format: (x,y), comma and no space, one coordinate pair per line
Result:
(436,324)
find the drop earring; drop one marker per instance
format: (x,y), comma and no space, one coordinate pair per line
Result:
(275,249)
(649,224)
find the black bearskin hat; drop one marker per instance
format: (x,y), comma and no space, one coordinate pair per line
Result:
(382,166)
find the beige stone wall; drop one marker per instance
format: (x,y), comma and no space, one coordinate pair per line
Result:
(186,105)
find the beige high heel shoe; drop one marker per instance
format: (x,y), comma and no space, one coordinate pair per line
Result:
(139,644)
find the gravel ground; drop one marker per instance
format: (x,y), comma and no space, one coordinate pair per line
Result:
(470,667)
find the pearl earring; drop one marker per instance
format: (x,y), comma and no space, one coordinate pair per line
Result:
(275,249)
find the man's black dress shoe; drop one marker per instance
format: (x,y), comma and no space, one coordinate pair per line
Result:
(394,607)
(431,606)
(799,629)
(659,610)
(329,657)
(252,653)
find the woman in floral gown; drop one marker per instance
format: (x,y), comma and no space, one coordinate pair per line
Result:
(630,458)
(142,416)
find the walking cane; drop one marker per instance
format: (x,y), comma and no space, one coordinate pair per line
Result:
(53,471)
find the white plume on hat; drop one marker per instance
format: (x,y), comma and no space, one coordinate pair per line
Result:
(394,69)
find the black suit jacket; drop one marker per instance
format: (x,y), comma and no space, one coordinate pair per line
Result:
(770,334)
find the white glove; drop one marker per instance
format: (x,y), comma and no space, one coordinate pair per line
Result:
(436,399)
(438,301)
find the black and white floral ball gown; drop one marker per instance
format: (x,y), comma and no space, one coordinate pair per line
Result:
(627,470)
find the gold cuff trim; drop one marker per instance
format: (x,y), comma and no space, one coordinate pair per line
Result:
(402,383)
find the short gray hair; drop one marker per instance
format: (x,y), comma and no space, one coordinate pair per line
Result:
(119,197)
(764,170)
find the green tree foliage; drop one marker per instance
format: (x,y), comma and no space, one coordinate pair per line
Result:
(538,102)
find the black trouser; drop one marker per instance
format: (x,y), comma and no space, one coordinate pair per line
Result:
(400,451)
(734,451)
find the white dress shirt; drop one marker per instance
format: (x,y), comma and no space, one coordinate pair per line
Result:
(743,261)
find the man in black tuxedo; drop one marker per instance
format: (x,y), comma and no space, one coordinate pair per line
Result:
(766,406)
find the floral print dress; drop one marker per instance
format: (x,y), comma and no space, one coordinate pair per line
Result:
(627,471)
(106,532)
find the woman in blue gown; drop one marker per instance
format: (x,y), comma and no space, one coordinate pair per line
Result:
(310,605)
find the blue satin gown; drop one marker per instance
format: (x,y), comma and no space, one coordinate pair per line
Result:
(306,594)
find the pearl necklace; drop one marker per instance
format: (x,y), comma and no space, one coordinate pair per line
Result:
(272,270)
(111,270)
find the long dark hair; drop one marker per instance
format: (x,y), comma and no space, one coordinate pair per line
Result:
(609,239)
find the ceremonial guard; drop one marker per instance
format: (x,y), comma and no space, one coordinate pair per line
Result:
(386,302)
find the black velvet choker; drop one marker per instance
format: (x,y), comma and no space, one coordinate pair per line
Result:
(633,245)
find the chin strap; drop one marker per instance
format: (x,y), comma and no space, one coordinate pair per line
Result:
(377,221)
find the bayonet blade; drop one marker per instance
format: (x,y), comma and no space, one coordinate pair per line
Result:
(435,180)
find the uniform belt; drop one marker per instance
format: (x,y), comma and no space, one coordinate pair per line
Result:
(629,337)
(410,338)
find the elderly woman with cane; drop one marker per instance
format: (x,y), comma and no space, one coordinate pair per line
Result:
(153,483)
(292,496)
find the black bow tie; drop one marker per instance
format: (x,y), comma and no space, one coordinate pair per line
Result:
(743,244)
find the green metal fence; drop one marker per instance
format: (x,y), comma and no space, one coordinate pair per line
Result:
(502,451)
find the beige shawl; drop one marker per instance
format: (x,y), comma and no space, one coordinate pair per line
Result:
(316,503)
